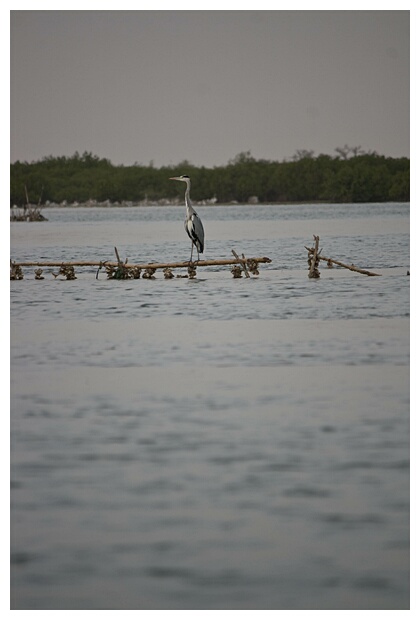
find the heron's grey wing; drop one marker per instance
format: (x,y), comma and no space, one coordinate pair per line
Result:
(197,232)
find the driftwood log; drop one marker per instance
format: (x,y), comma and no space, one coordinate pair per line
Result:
(175,265)
(124,270)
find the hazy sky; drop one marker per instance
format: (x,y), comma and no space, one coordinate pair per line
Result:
(165,86)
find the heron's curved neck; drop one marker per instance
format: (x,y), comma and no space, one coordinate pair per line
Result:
(187,197)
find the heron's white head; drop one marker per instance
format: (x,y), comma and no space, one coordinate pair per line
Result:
(183,177)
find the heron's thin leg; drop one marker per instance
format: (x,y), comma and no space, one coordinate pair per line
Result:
(192,248)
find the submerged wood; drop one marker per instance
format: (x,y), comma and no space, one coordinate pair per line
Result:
(175,265)
(340,264)
(242,261)
(314,261)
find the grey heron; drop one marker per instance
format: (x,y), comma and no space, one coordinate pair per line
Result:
(192,224)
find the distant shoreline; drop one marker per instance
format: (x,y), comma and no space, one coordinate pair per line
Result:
(203,203)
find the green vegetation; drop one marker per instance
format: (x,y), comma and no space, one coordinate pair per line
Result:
(351,176)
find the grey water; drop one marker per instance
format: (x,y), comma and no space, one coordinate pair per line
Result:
(213,443)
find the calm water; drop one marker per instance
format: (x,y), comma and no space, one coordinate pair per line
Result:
(215,443)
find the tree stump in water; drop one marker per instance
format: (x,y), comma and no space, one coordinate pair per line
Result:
(313,260)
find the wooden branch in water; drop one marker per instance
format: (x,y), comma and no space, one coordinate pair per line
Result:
(340,264)
(351,267)
(243,263)
(314,261)
(201,263)
(118,257)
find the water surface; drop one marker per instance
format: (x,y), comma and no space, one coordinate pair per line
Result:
(212,443)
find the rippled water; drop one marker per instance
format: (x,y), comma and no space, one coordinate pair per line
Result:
(215,443)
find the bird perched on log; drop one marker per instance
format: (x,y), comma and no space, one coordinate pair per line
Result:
(192,224)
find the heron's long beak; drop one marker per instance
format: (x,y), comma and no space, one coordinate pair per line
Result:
(175,179)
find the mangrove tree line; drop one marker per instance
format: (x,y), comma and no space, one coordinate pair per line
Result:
(342,178)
